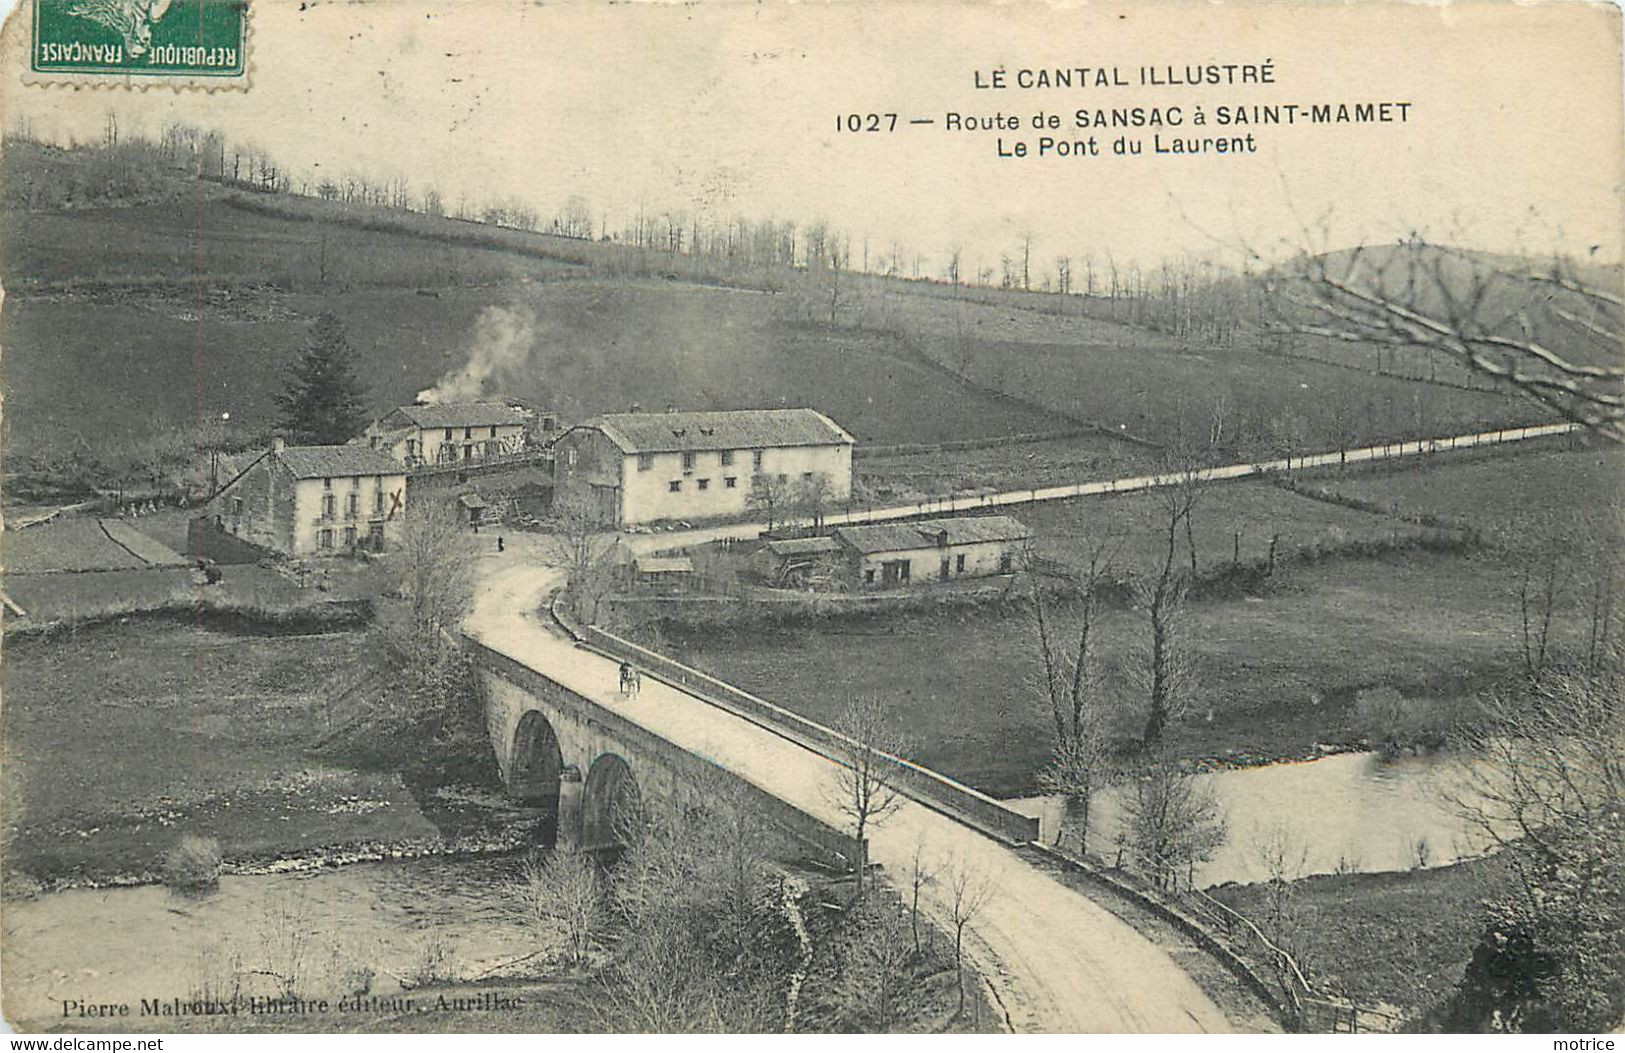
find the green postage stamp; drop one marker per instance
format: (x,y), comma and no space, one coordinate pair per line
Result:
(182,42)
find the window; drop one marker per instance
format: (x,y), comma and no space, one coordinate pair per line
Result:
(468,451)
(570,457)
(411,447)
(869,576)
(355,482)
(448,434)
(493,431)
(675,485)
(468,433)
(349,537)
(236,506)
(705,484)
(688,460)
(1005,562)
(727,458)
(327,484)
(959,564)
(324,539)
(756,459)
(378,500)
(731,482)
(783,478)
(329,506)
(646,461)
(352,506)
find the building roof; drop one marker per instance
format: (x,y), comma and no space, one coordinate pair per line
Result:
(322,462)
(459,414)
(718,430)
(923,533)
(803,546)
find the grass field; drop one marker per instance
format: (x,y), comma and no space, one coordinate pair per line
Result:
(1232,522)
(1276,675)
(1508,496)
(155,315)
(1160,391)
(65,544)
(912,476)
(121,739)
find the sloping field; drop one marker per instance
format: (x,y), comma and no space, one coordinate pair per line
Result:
(117,366)
(1506,495)
(1159,391)
(69,544)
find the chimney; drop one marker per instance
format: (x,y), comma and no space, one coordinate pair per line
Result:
(278,445)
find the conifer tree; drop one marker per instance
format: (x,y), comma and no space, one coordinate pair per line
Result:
(325,402)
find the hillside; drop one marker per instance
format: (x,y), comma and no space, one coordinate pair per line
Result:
(123,320)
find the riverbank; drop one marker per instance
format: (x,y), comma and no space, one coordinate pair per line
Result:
(1400,939)
(125,737)
(1279,672)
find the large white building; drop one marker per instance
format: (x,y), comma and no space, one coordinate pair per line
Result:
(313,500)
(632,468)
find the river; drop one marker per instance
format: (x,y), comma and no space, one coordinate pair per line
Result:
(368,926)
(1349,811)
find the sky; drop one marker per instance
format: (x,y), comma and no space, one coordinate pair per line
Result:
(1513,140)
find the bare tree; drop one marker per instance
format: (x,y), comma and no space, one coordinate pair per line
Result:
(866,790)
(769,498)
(921,876)
(559,896)
(1547,788)
(1174,823)
(1165,666)
(435,556)
(1073,687)
(576,540)
(968,890)
(875,964)
(1550,333)
(812,496)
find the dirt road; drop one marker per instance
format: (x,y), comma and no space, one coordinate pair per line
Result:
(1058,962)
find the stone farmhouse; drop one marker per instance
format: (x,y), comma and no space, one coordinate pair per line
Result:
(312,500)
(448,433)
(633,468)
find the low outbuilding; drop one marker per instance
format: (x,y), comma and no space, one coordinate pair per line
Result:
(890,555)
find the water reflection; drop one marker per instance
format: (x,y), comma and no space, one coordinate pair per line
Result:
(1352,811)
(371,926)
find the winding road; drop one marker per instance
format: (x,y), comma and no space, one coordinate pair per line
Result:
(1057,961)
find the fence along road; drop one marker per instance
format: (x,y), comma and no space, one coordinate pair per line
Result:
(1058,962)
(1393,451)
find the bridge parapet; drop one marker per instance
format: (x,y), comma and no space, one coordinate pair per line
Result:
(588,730)
(930,788)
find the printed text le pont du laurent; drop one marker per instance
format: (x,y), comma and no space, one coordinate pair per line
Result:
(1131,130)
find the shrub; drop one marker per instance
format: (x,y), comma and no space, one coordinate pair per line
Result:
(1392,723)
(193,865)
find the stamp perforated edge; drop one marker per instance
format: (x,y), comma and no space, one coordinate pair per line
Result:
(21,22)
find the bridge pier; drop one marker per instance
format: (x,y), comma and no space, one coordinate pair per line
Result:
(567,825)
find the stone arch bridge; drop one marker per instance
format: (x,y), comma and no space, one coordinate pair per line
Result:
(590,767)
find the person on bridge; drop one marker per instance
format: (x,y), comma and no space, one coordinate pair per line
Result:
(631,682)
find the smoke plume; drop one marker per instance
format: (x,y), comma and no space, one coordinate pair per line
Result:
(498,350)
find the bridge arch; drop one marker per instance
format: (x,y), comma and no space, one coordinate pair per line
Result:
(611,803)
(536,767)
